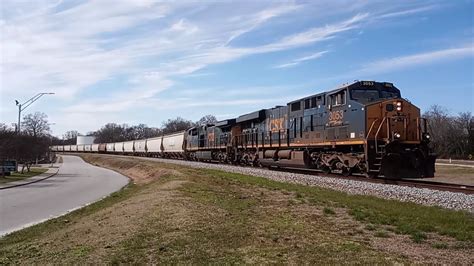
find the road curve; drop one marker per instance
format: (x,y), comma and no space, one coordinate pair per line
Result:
(76,184)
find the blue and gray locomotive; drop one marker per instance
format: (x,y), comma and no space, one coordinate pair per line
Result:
(364,127)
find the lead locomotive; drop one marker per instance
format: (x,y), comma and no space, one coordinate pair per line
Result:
(365,127)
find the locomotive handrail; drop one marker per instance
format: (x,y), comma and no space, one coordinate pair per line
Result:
(377,133)
(366,141)
(418,127)
(370,129)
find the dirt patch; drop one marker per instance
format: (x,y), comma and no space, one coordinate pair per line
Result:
(140,171)
(436,250)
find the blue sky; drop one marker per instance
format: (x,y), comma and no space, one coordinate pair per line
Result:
(146,61)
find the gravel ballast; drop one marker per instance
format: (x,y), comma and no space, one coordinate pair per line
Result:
(424,196)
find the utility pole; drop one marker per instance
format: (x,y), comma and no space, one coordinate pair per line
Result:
(24,105)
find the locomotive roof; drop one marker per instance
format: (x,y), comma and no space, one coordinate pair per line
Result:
(356,83)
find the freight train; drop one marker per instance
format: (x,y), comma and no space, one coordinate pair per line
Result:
(365,127)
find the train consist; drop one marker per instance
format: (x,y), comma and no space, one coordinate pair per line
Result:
(365,127)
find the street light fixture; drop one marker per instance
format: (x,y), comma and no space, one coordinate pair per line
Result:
(24,105)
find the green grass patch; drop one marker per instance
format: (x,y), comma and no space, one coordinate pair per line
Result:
(16,176)
(328,211)
(370,227)
(407,218)
(418,237)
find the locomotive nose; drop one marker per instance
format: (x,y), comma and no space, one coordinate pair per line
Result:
(402,120)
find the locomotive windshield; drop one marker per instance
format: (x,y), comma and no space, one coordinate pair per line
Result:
(368,95)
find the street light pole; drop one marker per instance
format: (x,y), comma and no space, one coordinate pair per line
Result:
(24,105)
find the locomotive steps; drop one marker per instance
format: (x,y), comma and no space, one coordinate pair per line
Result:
(173,213)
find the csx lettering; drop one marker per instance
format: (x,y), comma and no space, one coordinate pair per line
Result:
(277,124)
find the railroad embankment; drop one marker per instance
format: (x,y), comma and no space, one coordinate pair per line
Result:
(173,213)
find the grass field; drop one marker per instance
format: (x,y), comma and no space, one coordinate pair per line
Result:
(455,174)
(174,214)
(18,176)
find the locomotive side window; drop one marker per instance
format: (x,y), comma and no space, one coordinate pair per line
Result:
(307,123)
(320,100)
(307,104)
(338,98)
(296,106)
(317,101)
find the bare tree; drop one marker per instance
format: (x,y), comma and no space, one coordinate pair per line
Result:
(175,125)
(24,148)
(465,122)
(4,128)
(142,131)
(452,136)
(110,132)
(207,120)
(36,124)
(70,137)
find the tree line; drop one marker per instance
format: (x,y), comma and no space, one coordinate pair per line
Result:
(28,146)
(452,136)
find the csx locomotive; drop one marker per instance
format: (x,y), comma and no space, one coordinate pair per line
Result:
(365,127)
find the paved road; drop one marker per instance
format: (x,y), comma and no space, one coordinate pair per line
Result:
(76,184)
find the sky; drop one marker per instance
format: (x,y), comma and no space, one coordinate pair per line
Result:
(143,61)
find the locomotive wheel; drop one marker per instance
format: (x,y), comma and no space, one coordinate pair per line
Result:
(391,166)
(346,171)
(326,170)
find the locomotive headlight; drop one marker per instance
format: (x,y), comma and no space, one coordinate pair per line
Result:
(426,137)
(396,135)
(399,106)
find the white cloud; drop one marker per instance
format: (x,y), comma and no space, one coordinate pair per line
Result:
(403,62)
(405,12)
(298,61)
(250,22)
(183,26)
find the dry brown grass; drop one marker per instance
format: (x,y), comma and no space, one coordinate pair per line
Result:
(454,174)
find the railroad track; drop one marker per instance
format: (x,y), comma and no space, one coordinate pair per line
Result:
(418,183)
(466,189)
